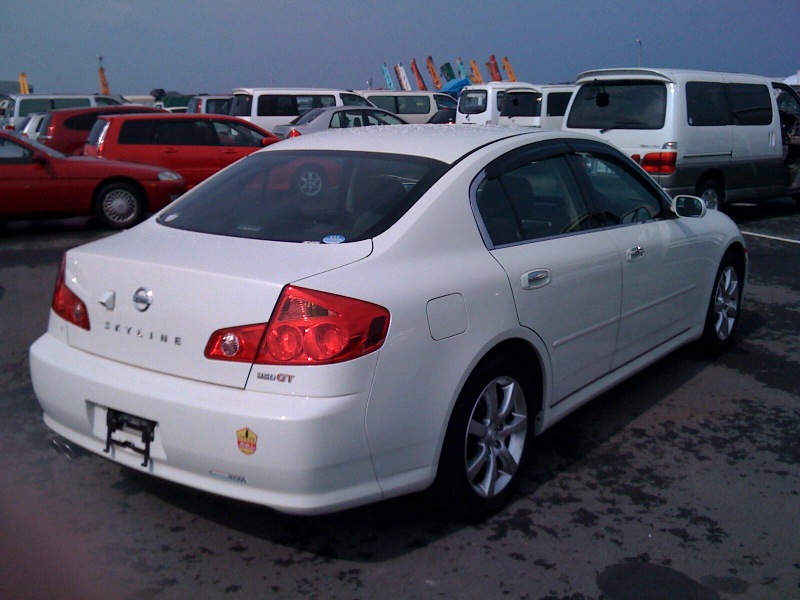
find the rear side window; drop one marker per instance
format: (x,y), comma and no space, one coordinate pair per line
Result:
(353,100)
(413,105)
(619,105)
(137,132)
(81,122)
(291,105)
(72,102)
(385,102)
(29,105)
(711,103)
(443,101)
(706,105)
(97,133)
(359,195)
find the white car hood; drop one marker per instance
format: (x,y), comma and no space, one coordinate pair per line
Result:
(198,283)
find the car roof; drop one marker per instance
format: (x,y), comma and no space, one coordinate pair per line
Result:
(113,108)
(447,143)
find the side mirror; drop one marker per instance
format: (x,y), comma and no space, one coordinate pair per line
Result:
(689,206)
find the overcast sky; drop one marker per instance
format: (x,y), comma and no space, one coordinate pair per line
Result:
(215,45)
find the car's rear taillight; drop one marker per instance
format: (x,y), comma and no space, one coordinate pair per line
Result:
(66,304)
(659,163)
(293,133)
(307,328)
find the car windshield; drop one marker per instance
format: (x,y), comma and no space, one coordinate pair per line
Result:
(39,147)
(306,196)
(619,105)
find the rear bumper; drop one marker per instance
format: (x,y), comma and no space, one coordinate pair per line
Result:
(302,455)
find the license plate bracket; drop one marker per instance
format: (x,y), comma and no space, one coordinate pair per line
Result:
(117,421)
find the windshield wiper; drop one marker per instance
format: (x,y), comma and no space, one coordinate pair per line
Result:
(622,125)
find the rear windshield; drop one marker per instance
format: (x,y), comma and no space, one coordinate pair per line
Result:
(472,102)
(619,105)
(306,196)
(522,104)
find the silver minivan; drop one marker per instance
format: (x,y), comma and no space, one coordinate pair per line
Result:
(715,135)
(21,105)
(269,107)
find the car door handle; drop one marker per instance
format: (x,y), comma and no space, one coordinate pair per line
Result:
(635,253)
(535,279)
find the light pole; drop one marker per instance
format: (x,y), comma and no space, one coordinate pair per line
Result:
(640,51)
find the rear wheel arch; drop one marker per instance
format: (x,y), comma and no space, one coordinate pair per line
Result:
(512,371)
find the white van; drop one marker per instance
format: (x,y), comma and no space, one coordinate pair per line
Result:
(543,107)
(481,104)
(414,107)
(268,107)
(714,135)
(19,106)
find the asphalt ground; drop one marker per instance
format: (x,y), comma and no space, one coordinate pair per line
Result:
(681,483)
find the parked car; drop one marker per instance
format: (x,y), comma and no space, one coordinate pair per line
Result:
(716,135)
(194,145)
(31,125)
(219,104)
(457,292)
(20,105)
(66,129)
(544,106)
(337,117)
(414,107)
(37,181)
(481,104)
(269,107)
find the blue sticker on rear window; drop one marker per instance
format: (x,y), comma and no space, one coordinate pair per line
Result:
(333,239)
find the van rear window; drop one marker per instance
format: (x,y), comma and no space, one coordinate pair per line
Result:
(631,104)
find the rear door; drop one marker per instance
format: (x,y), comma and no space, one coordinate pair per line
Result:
(190,147)
(563,268)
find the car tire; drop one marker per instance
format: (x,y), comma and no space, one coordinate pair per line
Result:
(488,440)
(119,205)
(309,181)
(712,191)
(724,307)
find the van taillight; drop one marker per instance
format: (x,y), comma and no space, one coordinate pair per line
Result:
(66,303)
(659,163)
(307,328)
(293,133)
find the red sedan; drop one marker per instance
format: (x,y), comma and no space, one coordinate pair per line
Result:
(38,181)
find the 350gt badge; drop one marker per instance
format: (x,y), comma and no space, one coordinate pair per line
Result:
(247,440)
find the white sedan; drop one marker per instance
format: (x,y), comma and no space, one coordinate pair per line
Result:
(453,292)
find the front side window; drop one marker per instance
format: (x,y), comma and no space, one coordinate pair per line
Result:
(620,195)
(537,200)
(13,153)
(619,105)
(750,104)
(360,195)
